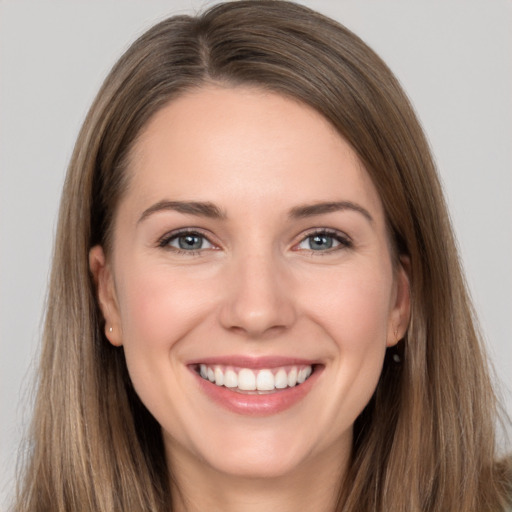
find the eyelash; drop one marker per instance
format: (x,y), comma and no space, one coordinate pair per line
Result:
(343,241)
(164,242)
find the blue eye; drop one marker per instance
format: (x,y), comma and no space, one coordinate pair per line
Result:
(320,242)
(323,241)
(187,242)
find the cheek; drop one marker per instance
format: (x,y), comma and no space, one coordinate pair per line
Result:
(355,315)
(159,307)
(355,307)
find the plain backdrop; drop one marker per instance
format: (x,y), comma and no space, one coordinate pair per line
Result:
(454,59)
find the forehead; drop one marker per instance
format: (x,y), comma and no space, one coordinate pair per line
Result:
(248,145)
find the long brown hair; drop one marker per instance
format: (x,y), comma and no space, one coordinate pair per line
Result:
(426,441)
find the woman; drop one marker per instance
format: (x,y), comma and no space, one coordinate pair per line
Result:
(256,300)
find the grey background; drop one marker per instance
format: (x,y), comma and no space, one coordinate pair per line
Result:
(453,57)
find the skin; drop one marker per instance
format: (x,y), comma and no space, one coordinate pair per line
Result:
(256,287)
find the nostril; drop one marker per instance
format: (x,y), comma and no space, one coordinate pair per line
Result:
(254,307)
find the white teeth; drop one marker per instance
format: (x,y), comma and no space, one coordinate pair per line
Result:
(246,379)
(219,376)
(230,379)
(281,379)
(265,381)
(292,377)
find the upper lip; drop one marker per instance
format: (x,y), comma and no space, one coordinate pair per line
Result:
(253,362)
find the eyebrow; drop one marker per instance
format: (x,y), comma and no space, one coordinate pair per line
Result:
(210,210)
(310,210)
(201,209)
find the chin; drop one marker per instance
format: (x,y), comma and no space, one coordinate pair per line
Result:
(258,466)
(242,451)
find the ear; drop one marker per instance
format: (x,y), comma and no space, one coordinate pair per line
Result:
(106,294)
(401,312)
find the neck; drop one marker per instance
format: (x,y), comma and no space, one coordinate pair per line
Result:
(315,485)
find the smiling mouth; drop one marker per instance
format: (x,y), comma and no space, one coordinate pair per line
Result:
(261,381)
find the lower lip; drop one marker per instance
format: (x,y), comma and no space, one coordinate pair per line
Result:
(257,405)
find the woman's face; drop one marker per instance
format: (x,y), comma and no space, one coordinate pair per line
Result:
(250,249)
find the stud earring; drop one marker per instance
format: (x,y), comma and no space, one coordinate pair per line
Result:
(396,357)
(110,329)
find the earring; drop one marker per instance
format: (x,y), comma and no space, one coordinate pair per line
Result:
(110,329)
(396,357)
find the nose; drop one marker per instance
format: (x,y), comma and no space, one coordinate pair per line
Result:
(258,299)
